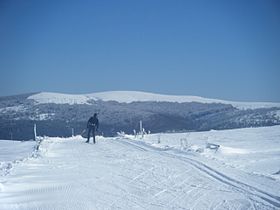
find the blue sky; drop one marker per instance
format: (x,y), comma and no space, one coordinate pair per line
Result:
(218,49)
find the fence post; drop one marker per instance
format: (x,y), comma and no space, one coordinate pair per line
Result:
(72,132)
(35,132)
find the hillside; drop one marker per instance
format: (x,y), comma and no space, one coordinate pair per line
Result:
(56,114)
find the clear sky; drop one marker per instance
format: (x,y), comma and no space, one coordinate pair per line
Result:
(218,49)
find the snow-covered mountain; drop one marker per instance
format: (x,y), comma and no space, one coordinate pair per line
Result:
(56,114)
(137,96)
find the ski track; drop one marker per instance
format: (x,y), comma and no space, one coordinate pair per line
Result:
(242,187)
(121,174)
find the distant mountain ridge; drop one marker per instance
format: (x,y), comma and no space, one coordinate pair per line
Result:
(56,114)
(138,96)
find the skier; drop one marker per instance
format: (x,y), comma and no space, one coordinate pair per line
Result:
(92,126)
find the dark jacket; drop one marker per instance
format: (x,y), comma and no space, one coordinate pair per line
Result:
(93,123)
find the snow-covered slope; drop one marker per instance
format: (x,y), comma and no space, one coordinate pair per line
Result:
(136,96)
(13,151)
(127,173)
(254,150)
(59,98)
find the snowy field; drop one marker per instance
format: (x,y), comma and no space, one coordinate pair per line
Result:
(160,171)
(254,150)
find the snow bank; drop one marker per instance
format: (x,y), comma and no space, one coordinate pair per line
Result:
(232,151)
(13,151)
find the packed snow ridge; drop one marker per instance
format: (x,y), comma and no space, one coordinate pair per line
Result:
(137,96)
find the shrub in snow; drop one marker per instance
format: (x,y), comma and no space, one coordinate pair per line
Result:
(184,143)
(121,134)
(158,140)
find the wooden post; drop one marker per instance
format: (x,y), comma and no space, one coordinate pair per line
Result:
(35,132)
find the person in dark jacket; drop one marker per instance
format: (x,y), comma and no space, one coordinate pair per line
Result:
(92,126)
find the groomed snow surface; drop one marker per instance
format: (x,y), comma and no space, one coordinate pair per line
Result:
(137,96)
(133,173)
